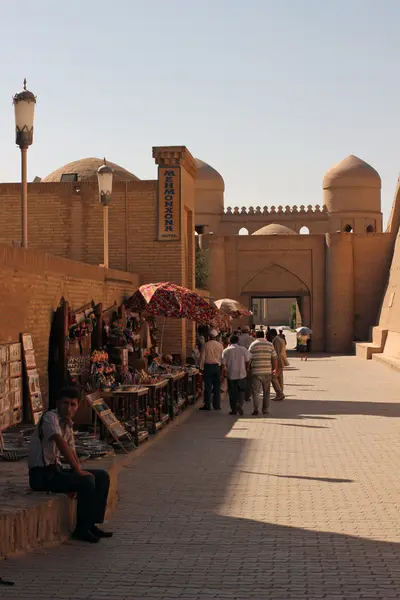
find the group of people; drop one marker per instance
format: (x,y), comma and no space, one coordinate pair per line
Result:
(251,361)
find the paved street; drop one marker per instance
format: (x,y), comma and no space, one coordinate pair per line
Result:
(301,505)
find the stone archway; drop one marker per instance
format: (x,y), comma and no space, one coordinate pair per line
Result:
(276,281)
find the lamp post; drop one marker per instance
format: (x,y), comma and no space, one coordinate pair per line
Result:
(105,178)
(24,108)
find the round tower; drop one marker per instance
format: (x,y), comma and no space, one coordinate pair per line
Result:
(209,198)
(352,196)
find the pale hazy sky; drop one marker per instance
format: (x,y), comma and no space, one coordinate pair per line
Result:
(270,92)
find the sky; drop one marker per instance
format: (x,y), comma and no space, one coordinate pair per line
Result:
(271,93)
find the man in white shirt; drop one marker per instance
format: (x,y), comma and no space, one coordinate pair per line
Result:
(210,364)
(236,361)
(53,437)
(246,340)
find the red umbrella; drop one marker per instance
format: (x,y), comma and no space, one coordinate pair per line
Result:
(170,300)
(233,308)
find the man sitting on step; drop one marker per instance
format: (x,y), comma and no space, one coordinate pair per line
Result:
(52,438)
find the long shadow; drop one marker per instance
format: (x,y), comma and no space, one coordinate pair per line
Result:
(272,422)
(300,409)
(179,533)
(324,479)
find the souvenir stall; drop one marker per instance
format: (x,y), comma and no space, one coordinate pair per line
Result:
(129,402)
(172,301)
(73,336)
(21,405)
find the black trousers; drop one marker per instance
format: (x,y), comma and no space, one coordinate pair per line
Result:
(237,392)
(212,385)
(92,492)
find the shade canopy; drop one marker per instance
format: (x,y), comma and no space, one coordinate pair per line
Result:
(170,300)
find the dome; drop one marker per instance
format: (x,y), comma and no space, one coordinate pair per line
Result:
(274,229)
(86,170)
(352,172)
(208,178)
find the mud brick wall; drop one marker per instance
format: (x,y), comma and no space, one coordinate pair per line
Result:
(32,284)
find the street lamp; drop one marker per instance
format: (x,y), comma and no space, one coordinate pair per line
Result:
(105,178)
(24,107)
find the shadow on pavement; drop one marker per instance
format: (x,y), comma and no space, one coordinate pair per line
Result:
(179,532)
(325,479)
(300,409)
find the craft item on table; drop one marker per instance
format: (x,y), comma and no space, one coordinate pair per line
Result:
(102,372)
(77,331)
(143,378)
(88,446)
(126,376)
(13,447)
(78,365)
(116,336)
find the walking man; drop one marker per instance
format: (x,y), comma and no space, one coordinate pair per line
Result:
(264,365)
(246,340)
(53,437)
(210,363)
(280,348)
(236,361)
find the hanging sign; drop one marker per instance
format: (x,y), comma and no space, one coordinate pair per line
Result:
(169,204)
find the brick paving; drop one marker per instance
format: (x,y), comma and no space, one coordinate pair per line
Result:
(304,504)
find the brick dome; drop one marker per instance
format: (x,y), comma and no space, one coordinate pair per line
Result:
(274,229)
(208,178)
(352,185)
(352,172)
(85,169)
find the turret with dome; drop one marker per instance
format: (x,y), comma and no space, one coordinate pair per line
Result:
(352,195)
(209,196)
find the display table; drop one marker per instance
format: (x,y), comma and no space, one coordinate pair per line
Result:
(191,384)
(158,405)
(177,396)
(130,405)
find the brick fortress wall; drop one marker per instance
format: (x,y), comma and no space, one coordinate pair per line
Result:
(66,219)
(32,284)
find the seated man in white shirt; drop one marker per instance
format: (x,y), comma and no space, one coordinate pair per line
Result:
(52,438)
(236,361)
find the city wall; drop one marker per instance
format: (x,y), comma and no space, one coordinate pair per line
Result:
(32,284)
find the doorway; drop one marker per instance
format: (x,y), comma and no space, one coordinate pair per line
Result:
(285,312)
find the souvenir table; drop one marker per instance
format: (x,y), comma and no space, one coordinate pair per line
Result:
(130,404)
(158,405)
(191,384)
(177,396)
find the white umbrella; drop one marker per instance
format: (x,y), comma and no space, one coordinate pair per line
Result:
(304,330)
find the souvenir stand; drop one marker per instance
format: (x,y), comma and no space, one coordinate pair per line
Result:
(173,301)
(21,403)
(129,335)
(11,397)
(71,338)
(75,337)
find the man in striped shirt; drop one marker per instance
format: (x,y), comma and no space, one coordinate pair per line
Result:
(264,365)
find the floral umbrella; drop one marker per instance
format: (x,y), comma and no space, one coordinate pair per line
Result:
(233,308)
(170,300)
